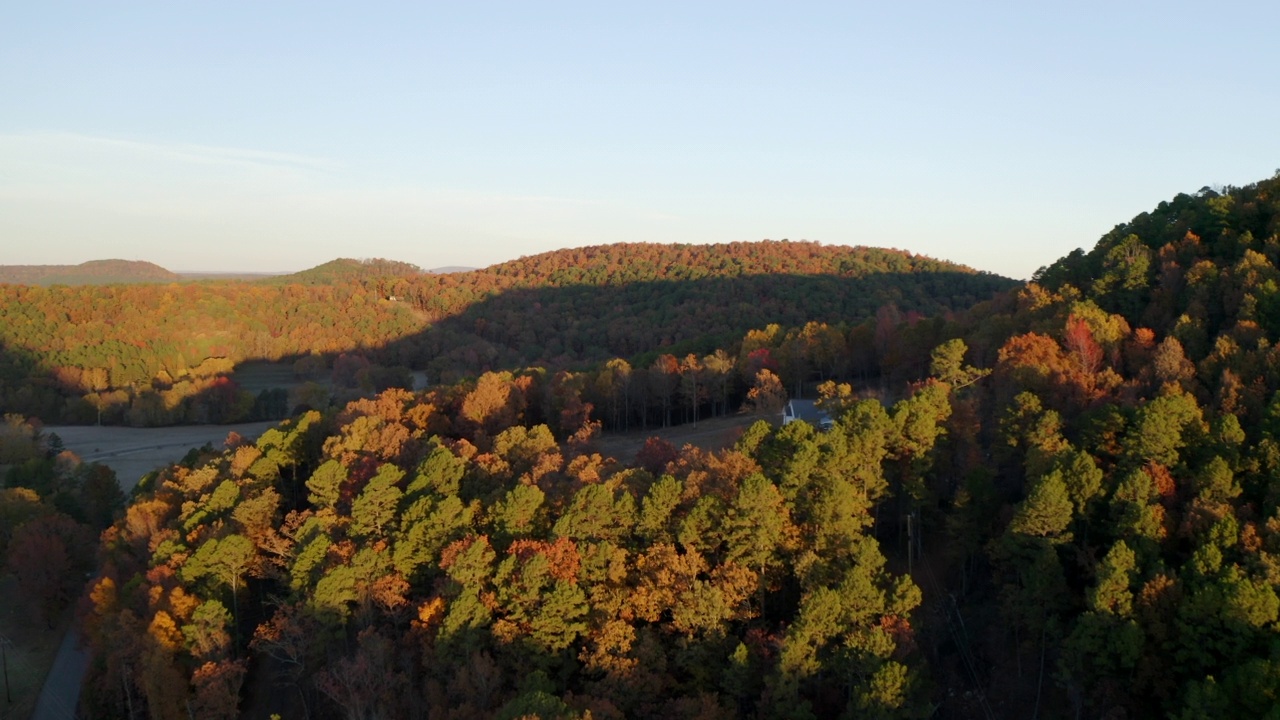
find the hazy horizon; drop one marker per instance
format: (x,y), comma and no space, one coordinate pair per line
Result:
(997,137)
(200,271)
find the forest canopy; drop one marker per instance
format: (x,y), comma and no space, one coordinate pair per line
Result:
(163,354)
(1058,500)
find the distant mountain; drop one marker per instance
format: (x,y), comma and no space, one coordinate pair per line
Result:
(623,263)
(94,272)
(345,270)
(449,269)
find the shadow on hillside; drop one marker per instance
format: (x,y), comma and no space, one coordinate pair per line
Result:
(576,326)
(573,326)
(26,384)
(30,387)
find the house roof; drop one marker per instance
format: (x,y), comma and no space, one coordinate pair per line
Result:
(808,411)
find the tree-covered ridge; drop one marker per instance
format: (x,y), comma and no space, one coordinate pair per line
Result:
(66,352)
(347,270)
(139,352)
(621,263)
(583,324)
(1110,503)
(94,272)
(655,268)
(1119,508)
(634,301)
(1196,265)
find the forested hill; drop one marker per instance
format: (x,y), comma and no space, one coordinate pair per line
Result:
(661,265)
(66,350)
(637,300)
(346,270)
(622,263)
(1193,266)
(1127,522)
(94,272)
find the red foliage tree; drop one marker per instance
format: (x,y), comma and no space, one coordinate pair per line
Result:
(1079,342)
(49,556)
(655,455)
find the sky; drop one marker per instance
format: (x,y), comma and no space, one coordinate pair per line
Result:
(275,136)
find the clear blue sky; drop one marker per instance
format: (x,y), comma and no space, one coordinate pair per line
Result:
(275,136)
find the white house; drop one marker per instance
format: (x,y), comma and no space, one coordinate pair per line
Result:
(808,411)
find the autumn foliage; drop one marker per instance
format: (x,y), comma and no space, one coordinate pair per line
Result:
(1057,501)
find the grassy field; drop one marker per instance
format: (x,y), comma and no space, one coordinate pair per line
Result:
(711,434)
(134,452)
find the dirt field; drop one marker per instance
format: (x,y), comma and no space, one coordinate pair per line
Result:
(712,434)
(134,452)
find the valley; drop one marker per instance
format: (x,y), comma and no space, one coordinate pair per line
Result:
(1047,499)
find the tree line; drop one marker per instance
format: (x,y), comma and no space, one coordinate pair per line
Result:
(161,354)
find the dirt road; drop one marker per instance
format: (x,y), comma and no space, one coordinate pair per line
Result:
(61,692)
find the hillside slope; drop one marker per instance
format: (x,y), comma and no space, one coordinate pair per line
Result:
(346,270)
(94,272)
(1194,266)
(624,300)
(80,341)
(622,263)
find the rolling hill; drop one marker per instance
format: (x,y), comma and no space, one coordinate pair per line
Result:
(566,309)
(345,270)
(94,272)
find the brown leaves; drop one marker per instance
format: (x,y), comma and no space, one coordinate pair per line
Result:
(367,436)
(684,588)
(49,556)
(1065,380)
(430,613)
(146,519)
(655,454)
(904,636)
(766,395)
(164,633)
(562,556)
(717,473)
(287,636)
(243,458)
(492,404)
(217,689)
